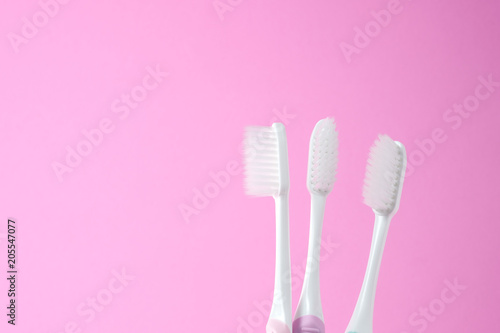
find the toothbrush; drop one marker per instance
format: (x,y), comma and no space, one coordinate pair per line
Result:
(266,174)
(321,172)
(382,192)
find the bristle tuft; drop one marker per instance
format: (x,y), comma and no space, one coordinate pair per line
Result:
(261,157)
(383,175)
(323,157)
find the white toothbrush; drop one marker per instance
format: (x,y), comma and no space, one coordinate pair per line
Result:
(266,171)
(382,192)
(323,152)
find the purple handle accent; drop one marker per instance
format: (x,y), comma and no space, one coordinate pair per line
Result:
(277,326)
(308,324)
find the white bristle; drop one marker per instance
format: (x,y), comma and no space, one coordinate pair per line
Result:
(261,161)
(323,157)
(383,175)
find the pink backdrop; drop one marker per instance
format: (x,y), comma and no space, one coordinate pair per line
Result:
(117,114)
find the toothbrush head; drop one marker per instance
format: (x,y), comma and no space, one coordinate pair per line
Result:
(266,160)
(384,176)
(323,156)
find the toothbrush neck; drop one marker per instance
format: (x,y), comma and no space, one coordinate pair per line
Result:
(366,300)
(310,297)
(282,303)
(318,203)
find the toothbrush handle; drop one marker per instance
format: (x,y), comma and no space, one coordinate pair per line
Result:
(309,315)
(280,318)
(362,318)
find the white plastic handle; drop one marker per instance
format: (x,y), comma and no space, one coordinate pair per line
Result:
(362,318)
(310,297)
(281,309)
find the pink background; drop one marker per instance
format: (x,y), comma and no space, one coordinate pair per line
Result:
(120,207)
